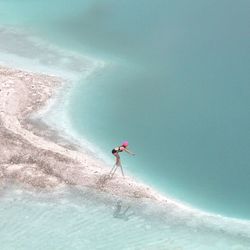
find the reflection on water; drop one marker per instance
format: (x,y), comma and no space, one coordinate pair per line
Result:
(81,218)
(119,214)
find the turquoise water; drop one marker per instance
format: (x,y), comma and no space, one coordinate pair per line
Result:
(175,84)
(80,219)
(179,92)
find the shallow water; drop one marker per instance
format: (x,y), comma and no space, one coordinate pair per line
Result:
(175,84)
(73,219)
(179,92)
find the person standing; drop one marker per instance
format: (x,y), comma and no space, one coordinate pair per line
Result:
(116,152)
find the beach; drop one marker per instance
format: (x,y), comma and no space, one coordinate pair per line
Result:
(32,158)
(78,78)
(29,157)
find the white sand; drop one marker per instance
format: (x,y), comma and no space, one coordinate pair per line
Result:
(29,157)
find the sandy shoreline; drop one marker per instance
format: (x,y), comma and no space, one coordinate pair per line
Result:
(28,155)
(31,155)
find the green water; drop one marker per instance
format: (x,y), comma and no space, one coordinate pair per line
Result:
(175,85)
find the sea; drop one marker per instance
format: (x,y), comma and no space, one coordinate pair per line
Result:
(172,78)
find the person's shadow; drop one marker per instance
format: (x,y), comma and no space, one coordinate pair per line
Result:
(119,214)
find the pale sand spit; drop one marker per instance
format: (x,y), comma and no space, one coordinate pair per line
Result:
(29,157)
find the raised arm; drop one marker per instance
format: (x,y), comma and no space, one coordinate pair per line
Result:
(129,152)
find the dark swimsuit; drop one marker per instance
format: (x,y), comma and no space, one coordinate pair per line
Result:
(114,151)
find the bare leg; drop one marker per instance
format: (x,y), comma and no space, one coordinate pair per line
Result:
(114,170)
(122,170)
(117,163)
